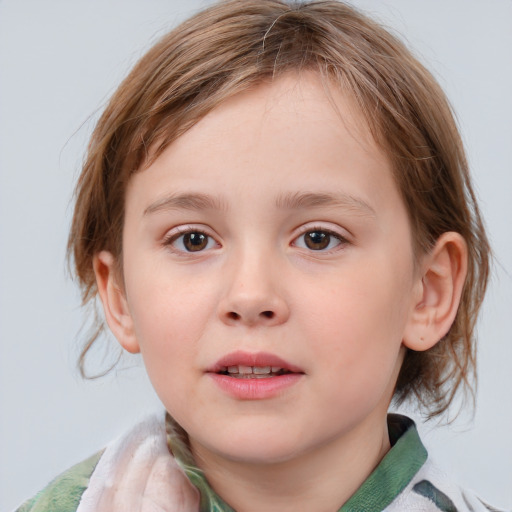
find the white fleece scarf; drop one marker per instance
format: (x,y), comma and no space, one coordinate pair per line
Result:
(137,473)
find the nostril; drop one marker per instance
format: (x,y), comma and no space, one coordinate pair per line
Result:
(237,317)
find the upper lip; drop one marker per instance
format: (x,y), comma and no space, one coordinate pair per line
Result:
(259,359)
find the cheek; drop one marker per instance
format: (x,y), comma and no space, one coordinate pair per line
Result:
(170,314)
(167,301)
(366,298)
(167,328)
(359,321)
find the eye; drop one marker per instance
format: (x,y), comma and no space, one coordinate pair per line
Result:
(319,240)
(190,241)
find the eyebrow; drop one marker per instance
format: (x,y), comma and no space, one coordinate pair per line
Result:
(193,202)
(287,201)
(297,201)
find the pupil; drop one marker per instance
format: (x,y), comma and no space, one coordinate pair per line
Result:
(195,241)
(317,240)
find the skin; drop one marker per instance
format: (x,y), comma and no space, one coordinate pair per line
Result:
(343,314)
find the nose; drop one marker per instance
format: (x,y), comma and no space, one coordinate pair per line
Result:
(254,295)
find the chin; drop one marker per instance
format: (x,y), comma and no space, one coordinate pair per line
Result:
(257,446)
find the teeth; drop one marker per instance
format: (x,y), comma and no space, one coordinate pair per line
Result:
(260,370)
(251,370)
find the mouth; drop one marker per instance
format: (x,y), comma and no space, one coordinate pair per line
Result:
(259,365)
(253,372)
(254,376)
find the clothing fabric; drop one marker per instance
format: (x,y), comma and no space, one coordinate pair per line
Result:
(150,469)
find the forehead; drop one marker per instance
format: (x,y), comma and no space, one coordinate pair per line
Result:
(305,100)
(296,134)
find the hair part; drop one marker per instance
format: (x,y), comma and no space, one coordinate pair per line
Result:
(235,45)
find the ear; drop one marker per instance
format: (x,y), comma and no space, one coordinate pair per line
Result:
(439,289)
(113,298)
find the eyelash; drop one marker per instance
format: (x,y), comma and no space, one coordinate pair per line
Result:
(341,240)
(182,232)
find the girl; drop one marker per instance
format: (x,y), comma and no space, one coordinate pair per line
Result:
(266,180)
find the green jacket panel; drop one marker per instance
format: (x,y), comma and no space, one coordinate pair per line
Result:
(63,494)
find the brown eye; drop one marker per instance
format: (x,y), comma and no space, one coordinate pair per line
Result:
(191,241)
(317,240)
(195,241)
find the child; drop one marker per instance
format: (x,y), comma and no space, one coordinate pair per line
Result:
(276,212)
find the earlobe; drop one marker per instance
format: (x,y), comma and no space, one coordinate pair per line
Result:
(114,302)
(439,290)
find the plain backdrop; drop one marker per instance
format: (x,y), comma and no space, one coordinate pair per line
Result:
(59,62)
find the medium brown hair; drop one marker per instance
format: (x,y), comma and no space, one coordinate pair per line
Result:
(237,44)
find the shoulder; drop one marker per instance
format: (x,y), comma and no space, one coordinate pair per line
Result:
(431,490)
(64,492)
(135,472)
(419,484)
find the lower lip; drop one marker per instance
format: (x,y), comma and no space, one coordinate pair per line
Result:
(255,389)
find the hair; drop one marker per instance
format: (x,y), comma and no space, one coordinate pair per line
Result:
(235,45)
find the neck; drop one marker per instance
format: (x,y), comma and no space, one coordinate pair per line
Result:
(320,480)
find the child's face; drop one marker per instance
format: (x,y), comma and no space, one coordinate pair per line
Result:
(270,234)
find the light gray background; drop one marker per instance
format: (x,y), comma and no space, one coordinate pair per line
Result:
(59,61)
